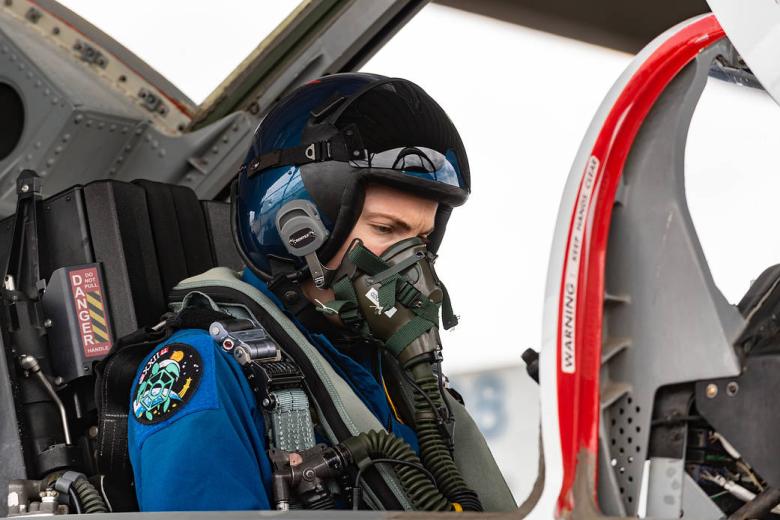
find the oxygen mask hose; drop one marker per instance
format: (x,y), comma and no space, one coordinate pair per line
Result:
(379,446)
(434,449)
(397,299)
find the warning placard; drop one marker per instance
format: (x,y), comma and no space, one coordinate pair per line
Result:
(91,312)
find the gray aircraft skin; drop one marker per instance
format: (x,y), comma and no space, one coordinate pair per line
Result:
(86,108)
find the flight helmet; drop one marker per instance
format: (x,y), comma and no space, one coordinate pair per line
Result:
(316,150)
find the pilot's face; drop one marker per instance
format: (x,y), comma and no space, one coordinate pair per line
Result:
(389,216)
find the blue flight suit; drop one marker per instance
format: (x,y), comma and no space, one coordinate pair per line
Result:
(197,439)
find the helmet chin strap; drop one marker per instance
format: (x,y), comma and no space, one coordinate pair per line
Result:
(317,270)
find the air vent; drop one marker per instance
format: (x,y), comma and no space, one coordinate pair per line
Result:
(12,120)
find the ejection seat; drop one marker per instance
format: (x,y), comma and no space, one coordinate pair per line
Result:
(146,236)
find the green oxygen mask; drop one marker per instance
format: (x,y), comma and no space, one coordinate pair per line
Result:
(395,298)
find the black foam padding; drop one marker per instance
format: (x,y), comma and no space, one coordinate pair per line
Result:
(179,230)
(222,244)
(193,229)
(64,232)
(119,225)
(169,249)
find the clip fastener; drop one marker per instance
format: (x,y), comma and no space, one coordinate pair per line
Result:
(246,340)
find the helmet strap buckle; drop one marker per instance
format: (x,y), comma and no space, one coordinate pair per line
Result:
(316,269)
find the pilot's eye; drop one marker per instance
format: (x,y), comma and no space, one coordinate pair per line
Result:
(382,229)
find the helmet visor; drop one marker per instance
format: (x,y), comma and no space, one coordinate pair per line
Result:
(419,162)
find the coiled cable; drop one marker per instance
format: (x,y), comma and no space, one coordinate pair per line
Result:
(88,497)
(356,486)
(434,449)
(416,482)
(83,496)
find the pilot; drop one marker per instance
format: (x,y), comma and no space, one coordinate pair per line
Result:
(339,208)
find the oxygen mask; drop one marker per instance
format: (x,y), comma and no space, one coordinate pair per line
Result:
(395,298)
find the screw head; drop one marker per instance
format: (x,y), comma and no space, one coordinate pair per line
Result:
(711,391)
(48,323)
(25,188)
(732,388)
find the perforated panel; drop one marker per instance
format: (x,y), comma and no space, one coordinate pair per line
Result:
(627,443)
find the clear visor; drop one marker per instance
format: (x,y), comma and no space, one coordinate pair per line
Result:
(423,163)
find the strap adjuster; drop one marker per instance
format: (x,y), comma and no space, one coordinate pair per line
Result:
(245,340)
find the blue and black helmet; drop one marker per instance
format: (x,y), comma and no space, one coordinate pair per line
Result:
(323,142)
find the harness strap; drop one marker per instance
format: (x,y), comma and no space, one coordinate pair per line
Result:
(276,381)
(291,423)
(346,305)
(448,317)
(343,147)
(411,330)
(366,260)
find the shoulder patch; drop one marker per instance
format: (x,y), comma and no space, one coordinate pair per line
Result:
(167,382)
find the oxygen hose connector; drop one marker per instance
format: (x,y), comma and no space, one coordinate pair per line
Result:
(300,478)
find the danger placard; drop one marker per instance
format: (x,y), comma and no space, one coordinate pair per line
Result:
(91,312)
